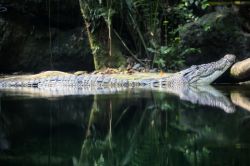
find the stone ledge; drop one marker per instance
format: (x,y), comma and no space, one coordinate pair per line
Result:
(241,70)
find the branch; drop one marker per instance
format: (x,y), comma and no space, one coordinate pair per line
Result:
(130,52)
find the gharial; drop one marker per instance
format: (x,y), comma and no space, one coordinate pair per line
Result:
(195,75)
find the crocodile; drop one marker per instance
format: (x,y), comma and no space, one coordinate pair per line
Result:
(203,74)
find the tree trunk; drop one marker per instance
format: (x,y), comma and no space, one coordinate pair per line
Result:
(105,53)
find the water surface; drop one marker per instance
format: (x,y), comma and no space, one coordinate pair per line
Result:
(125,127)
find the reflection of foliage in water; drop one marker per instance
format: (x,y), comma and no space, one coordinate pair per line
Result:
(166,132)
(137,128)
(152,137)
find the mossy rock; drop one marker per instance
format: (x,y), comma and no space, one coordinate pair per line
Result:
(215,34)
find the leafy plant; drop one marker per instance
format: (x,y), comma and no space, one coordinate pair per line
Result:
(148,28)
(100,161)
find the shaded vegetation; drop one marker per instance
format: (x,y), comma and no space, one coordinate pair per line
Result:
(52,34)
(147,30)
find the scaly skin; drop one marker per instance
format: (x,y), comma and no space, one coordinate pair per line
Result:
(203,74)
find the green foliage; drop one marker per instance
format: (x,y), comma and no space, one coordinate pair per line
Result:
(95,11)
(97,15)
(171,57)
(100,161)
(200,4)
(165,55)
(160,26)
(151,27)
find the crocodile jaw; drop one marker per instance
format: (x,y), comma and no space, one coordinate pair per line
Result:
(205,74)
(209,79)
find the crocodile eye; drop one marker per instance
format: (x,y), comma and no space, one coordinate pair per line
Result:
(186,74)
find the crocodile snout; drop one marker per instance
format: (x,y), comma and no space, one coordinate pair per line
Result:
(230,58)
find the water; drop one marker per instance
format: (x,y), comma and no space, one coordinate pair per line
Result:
(127,127)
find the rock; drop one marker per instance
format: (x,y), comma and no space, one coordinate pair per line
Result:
(141,69)
(64,14)
(215,34)
(241,70)
(154,70)
(136,66)
(28,43)
(80,73)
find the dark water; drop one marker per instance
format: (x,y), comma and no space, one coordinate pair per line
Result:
(133,127)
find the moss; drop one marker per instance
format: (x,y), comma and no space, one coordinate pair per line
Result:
(215,34)
(100,50)
(99,41)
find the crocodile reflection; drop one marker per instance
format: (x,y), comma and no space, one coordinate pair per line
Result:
(202,95)
(165,133)
(148,130)
(212,97)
